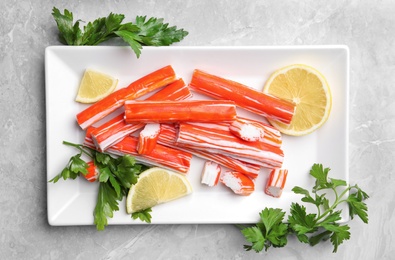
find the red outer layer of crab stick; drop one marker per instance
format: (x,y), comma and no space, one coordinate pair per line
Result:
(244,97)
(276,182)
(93,173)
(161,156)
(177,90)
(238,183)
(138,88)
(179,111)
(168,135)
(148,138)
(211,173)
(218,141)
(115,129)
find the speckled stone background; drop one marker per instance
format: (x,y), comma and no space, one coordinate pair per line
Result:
(27,27)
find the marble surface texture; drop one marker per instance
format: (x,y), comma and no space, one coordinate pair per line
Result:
(27,27)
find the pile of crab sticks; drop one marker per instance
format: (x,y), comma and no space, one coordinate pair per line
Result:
(169,128)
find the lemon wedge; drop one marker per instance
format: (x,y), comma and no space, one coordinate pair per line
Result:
(156,186)
(309,90)
(95,86)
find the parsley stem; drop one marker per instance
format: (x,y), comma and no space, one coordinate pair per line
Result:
(346,190)
(335,191)
(335,204)
(319,211)
(79,147)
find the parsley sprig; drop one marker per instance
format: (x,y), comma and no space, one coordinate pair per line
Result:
(271,231)
(144,32)
(310,228)
(116,176)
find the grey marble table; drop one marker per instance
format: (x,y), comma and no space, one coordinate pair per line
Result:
(27,27)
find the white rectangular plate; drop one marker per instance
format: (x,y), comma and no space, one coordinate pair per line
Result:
(71,202)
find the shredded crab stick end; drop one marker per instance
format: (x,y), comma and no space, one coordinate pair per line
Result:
(246,131)
(271,135)
(148,138)
(244,97)
(179,111)
(276,182)
(239,183)
(211,173)
(138,88)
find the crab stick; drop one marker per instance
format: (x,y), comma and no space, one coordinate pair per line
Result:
(179,111)
(238,183)
(276,182)
(218,141)
(93,172)
(161,156)
(244,97)
(148,138)
(211,173)
(115,100)
(168,136)
(115,129)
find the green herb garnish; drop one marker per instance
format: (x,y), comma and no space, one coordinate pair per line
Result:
(310,228)
(143,32)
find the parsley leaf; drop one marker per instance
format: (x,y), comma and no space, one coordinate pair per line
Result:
(151,32)
(132,39)
(270,231)
(301,222)
(357,206)
(255,236)
(318,237)
(77,165)
(68,31)
(143,215)
(73,169)
(339,234)
(127,171)
(105,206)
